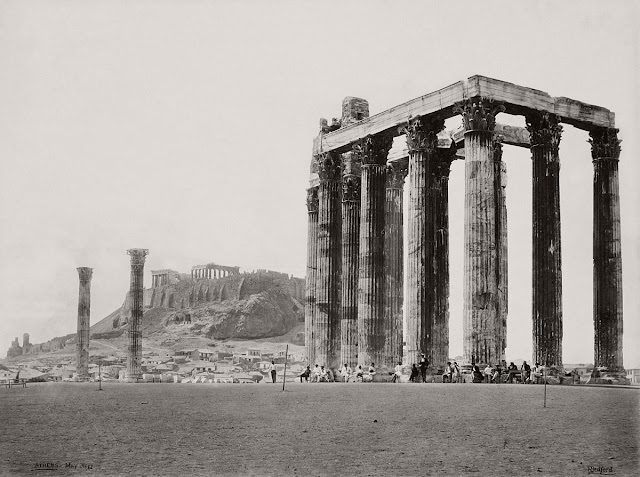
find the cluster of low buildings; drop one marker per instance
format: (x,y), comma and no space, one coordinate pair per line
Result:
(180,364)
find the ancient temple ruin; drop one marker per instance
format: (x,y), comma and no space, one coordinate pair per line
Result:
(354,293)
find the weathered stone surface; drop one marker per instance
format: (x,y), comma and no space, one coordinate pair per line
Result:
(328,286)
(607,253)
(482,320)
(545,132)
(393,264)
(134,355)
(312,273)
(422,142)
(373,151)
(350,256)
(84,323)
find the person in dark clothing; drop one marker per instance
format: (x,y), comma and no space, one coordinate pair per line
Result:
(477,375)
(305,374)
(414,374)
(424,363)
(512,370)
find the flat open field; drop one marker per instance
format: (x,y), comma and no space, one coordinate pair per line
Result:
(317,429)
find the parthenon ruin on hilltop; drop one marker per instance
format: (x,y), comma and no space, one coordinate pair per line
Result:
(354,292)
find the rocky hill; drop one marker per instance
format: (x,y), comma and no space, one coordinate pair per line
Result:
(247,306)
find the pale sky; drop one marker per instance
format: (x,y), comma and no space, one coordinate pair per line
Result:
(186,127)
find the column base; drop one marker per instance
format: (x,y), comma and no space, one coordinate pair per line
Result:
(609,377)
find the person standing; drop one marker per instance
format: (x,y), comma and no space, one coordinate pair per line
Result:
(525,371)
(272,368)
(424,364)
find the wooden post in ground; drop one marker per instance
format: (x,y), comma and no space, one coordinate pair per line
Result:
(284,376)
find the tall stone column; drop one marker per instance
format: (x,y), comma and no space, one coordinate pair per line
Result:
(312,274)
(545,131)
(84,322)
(482,323)
(437,264)
(502,244)
(422,142)
(371,331)
(136,291)
(326,322)
(350,250)
(393,263)
(607,254)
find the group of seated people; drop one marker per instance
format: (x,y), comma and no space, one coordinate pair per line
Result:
(525,374)
(321,374)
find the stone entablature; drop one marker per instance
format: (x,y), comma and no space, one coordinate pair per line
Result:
(213,270)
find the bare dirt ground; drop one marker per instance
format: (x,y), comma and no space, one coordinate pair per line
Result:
(318,429)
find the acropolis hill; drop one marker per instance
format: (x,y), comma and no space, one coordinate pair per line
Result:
(197,308)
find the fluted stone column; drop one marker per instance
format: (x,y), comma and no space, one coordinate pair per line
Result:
(502,244)
(136,291)
(326,322)
(482,323)
(545,131)
(371,331)
(393,263)
(84,323)
(437,264)
(350,249)
(312,274)
(607,254)
(422,142)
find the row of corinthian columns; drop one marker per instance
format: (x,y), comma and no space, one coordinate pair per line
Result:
(354,307)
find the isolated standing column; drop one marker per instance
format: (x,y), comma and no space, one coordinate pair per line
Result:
(326,322)
(545,132)
(136,290)
(84,323)
(607,253)
(350,249)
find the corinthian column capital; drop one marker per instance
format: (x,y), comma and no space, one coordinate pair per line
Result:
(312,199)
(544,130)
(396,173)
(479,114)
(328,166)
(422,133)
(605,143)
(138,256)
(374,149)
